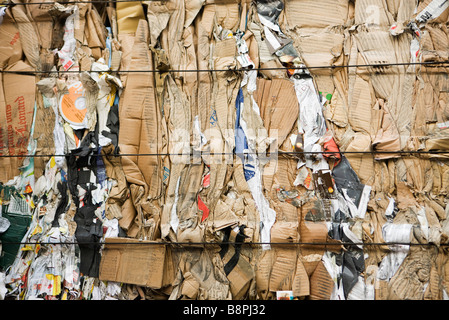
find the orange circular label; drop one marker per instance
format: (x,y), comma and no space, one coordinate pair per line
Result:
(73,105)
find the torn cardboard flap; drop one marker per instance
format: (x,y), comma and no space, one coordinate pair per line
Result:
(128,16)
(387,138)
(283,269)
(321,284)
(284,232)
(278,106)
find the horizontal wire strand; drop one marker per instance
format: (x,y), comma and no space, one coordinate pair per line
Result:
(74,2)
(143,242)
(280,153)
(435,64)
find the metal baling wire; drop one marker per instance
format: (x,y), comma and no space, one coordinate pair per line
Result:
(227,153)
(426,63)
(325,244)
(9,3)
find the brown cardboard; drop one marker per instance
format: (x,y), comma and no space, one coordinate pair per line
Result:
(301,283)
(316,14)
(17,99)
(278,105)
(415,270)
(139,131)
(10,45)
(387,137)
(44,123)
(312,231)
(240,279)
(223,216)
(263,270)
(128,16)
(28,36)
(284,231)
(190,286)
(362,163)
(321,284)
(283,270)
(42,21)
(119,203)
(133,261)
(372,12)
(381,290)
(321,48)
(158,15)
(360,106)
(203,27)
(139,99)
(170,268)
(95,32)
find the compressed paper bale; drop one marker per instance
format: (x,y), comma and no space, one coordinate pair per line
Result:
(367,109)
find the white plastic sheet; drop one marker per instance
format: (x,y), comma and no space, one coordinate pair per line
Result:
(399,233)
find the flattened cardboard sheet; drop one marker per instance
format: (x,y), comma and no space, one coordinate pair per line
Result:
(133,261)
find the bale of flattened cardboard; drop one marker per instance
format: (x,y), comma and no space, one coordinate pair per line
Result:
(230,162)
